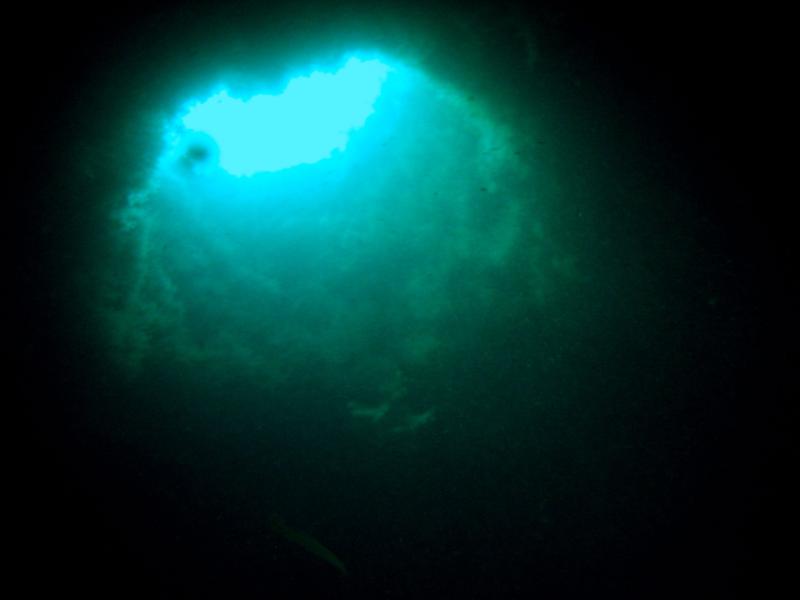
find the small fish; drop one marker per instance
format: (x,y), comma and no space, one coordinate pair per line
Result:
(364,411)
(414,422)
(307,543)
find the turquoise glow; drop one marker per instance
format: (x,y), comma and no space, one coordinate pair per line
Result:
(312,118)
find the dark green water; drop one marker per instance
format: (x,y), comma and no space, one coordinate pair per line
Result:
(518,340)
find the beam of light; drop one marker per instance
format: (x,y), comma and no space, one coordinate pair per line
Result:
(311,119)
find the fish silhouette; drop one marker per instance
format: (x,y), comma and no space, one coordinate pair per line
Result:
(307,542)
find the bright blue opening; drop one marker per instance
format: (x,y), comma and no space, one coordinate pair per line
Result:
(313,117)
